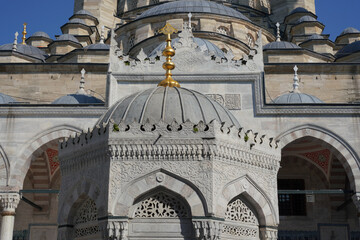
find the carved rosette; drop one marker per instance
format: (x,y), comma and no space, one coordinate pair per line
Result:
(207,229)
(9,203)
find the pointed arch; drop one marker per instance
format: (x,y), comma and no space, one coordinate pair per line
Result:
(36,145)
(4,168)
(266,210)
(339,147)
(153,180)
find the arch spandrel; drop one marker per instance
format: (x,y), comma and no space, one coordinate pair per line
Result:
(341,148)
(36,145)
(161,178)
(266,209)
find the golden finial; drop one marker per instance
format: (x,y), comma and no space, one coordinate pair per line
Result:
(24,34)
(168,53)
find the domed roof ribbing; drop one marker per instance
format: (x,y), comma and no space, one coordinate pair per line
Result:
(67,37)
(77,20)
(349,30)
(193,6)
(98,46)
(296,98)
(306,19)
(202,43)
(83,12)
(25,49)
(41,34)
(5,99)
(299,10)
(77,98)
(168,104)
(281,45)
(348,49)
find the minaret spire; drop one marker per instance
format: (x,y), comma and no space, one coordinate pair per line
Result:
(14,47)
(168,53)
(82,83)
(24,34)
(296,81)
(278,38)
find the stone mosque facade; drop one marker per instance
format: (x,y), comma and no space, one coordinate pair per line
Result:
(254,135)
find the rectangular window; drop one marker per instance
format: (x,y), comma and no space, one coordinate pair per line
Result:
(292,204)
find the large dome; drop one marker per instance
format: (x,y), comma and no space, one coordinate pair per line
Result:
(193,6)
(168,104)
(202,43)
(77,99)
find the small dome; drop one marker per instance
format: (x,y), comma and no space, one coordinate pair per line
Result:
(98,46)
(348,49)
(41,34)
(202,43)
(6,99)
(77,99)
(168,104)
(77,20)
(349,30)
(193,6)
(67,37)
(315,36)
(296,98)
(26,50)
(281,45)
(306,19)
(299,10)
(84,12)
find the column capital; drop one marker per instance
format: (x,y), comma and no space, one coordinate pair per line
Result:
(207,229)
(269,232)
(9,203)
(115,229)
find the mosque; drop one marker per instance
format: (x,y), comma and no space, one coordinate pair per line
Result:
(181,119)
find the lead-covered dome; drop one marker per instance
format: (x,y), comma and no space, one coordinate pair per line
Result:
(349,30)
(281,45)
(168,104)
(296,98)
(77,98)
(193,6)
(204,45)
(348,49)
(26,50)
(6,99)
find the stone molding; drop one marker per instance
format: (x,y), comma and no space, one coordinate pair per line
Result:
(268,233)
(51,110)
(176,142)
(9,203)
(115,229)
(207,229)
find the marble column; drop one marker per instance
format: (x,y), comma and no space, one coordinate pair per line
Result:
(8,202)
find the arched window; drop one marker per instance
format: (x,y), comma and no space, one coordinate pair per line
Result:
(85,221)
(240,221)
(222,30)
(131,41)
(250,40)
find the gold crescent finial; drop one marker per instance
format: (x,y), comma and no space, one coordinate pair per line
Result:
(24,34)
(168,53)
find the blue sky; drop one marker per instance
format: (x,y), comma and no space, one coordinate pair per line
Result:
(50,15)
